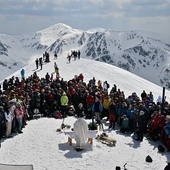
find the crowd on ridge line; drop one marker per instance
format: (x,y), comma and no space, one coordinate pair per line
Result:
(20,100)
(46,58)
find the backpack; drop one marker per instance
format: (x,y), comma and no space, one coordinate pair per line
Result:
(148,159)
(108,85)
(57,115)
(161,148)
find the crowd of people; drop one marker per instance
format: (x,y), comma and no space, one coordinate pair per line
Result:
(59,98)
(74,54)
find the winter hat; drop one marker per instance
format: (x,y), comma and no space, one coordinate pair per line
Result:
(141,113)
(36,111)
(168,116)
(80,105)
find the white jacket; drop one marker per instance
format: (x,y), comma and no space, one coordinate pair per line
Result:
(8,117)
(80,131)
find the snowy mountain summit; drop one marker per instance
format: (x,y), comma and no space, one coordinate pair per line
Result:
(142,53)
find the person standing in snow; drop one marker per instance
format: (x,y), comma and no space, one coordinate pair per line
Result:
(64,104)
(9,118)
(41,62)
(56,70)
(19,116)
(140,123)
(143,95)
(112,114)
(36,63)
(80,131)
(106,86)
(78,54)
(23,74)
(106,104)
(69,58)
(55,55)
(97,109)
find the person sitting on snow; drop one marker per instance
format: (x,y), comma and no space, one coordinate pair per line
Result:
(80,131)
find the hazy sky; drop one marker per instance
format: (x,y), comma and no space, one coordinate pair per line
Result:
(25,16)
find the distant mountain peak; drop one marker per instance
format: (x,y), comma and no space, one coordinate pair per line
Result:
(60,27)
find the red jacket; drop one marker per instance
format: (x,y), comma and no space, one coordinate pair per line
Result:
(19,112)
(89,99)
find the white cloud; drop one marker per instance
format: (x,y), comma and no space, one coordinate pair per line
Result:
(72,11)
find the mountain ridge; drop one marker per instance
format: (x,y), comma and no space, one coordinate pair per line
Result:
(136,51)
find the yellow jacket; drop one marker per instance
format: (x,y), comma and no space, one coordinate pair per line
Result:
(106,103)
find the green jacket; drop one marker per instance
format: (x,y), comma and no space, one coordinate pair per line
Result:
(64,100)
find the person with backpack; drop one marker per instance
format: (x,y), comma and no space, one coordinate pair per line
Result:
(56,70)
(131,113)
(106,86)
(143,95)
(97,109)
(124,128)
(47,77)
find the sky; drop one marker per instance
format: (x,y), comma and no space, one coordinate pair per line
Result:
(44,148)
(25,16)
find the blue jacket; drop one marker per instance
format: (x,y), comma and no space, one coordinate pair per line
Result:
(22,72)
(100,107)
(131,113)
(167,128)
